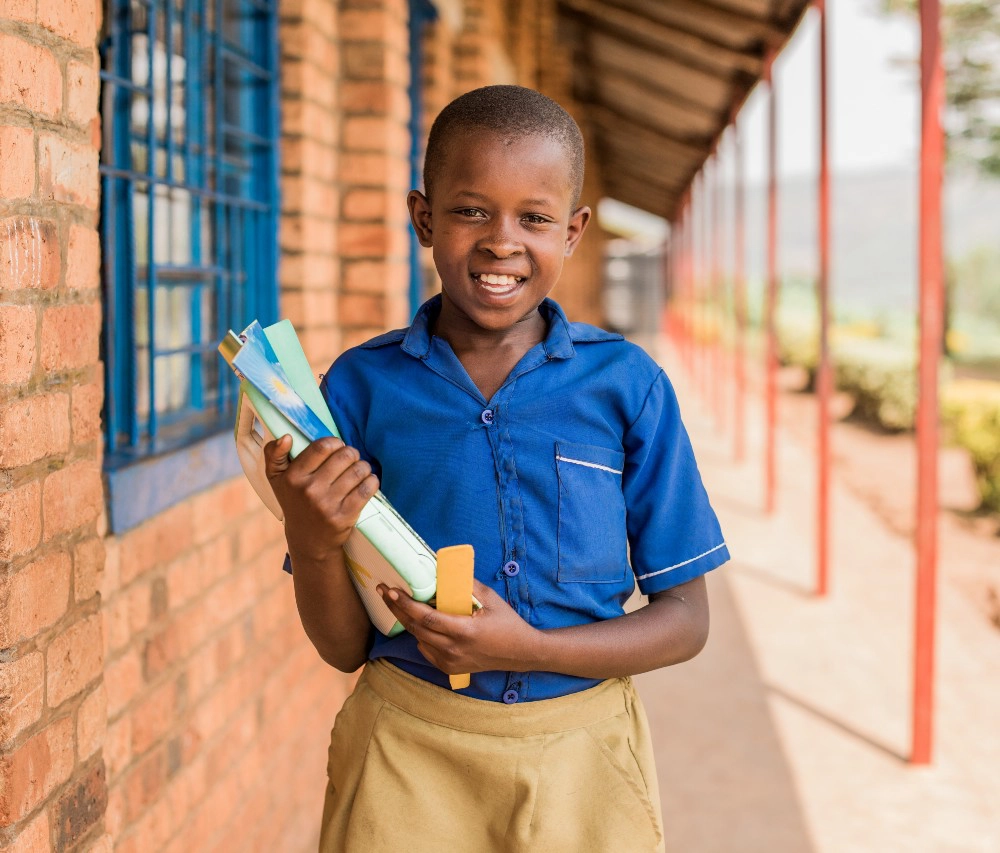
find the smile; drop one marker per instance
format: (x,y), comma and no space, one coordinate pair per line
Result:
(498,284)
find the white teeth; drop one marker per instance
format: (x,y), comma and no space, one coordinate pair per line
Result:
(502,280)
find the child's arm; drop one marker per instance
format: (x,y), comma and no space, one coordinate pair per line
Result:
(670,629)
(322,492)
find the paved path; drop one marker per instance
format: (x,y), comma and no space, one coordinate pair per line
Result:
(790,731)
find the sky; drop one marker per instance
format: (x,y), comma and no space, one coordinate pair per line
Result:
(874,110)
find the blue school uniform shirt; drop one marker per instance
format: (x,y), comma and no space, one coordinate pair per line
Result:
(574,482)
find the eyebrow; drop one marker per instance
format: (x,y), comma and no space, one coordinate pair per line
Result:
(534,202)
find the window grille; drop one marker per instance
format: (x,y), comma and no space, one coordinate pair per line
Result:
(188,218)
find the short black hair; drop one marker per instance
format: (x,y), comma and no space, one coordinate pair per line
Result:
(514,112)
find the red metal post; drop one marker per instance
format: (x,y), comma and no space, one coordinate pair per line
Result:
(718,295)
(931,331)
(823,371)
(739,297)
(771,306)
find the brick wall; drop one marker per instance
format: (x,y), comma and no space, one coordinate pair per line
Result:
(156,689)
(52,779)
(374,167)
(218,707)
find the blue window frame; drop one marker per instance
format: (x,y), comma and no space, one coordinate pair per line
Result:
(189,211)
(421,13)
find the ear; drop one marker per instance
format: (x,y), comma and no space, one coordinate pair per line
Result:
(577,225)
(420,216)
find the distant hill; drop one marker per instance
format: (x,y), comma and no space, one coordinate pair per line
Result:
(874,231)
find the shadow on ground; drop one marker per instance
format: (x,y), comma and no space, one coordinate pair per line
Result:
(724,782)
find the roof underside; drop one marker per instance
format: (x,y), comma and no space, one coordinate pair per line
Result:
(661,79)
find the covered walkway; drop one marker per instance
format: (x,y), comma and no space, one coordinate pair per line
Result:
(790,732)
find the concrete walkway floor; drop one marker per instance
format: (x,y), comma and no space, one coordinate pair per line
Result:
(790,732)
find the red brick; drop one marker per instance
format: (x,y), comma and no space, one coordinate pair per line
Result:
(303,307)
(153,717)
(75,20)
(33,838)
(29,76)
(17,343)
(111,575)
(88,563)
(67,171)
(123,681)
(116,623)
(92,723)
(70,336)
(104,844)
(17,153)
(366,97)
(138,607)
(35,769)
(82,806)
(374,276)
(34,598)
(83,258)
(82,86)
(118,745)
(361,310)
(33,428)
(365,205)
(22,694)
(379,171)
(144,784)
(72,497)
(74,659)
(29,254)
(157,541)
(309,119)
(20,10)
(20,520)
(372,25)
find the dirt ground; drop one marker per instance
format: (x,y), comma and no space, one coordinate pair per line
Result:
(881,469)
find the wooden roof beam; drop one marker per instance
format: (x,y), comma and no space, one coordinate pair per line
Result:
(699,18)
(717,58)
(614,121)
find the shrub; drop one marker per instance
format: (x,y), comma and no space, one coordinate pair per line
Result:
(881,376)
(971,412)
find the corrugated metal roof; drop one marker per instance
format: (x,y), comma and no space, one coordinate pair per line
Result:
(661,79)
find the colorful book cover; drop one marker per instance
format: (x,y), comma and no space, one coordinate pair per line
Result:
(257,363)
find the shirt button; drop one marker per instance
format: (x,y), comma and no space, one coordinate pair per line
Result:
(511,569)
(487,416)
(510,697)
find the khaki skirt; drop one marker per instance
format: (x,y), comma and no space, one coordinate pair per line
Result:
(414,768)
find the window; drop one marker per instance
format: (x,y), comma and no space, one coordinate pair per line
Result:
(421,13)
(189,184)
(189,231)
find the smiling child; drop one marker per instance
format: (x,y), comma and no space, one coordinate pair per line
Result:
(557,450)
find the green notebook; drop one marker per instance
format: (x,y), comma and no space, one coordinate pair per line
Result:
(383,548)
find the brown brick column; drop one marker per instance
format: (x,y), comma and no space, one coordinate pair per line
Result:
(52,697)
(374,167)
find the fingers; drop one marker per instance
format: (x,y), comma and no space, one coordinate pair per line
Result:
(276,456)
(420,619)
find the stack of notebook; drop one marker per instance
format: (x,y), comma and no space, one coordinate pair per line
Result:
(279,396)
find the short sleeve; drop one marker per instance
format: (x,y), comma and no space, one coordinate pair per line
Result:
(674,534)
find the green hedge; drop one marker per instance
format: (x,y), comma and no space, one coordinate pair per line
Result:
(881,376)
(971,412)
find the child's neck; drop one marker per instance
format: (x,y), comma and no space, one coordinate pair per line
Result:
(488,355)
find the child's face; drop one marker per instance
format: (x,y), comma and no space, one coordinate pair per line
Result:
(500,224)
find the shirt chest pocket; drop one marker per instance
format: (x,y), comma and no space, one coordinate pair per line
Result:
(591,531)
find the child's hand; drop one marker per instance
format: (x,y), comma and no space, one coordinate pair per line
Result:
(494,637)
(322,492)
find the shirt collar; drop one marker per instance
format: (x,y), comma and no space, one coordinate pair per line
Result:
(558,341)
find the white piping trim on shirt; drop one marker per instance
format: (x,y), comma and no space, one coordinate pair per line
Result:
(678,565)
(588,464)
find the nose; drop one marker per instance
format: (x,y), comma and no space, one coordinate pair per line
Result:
(500,241)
